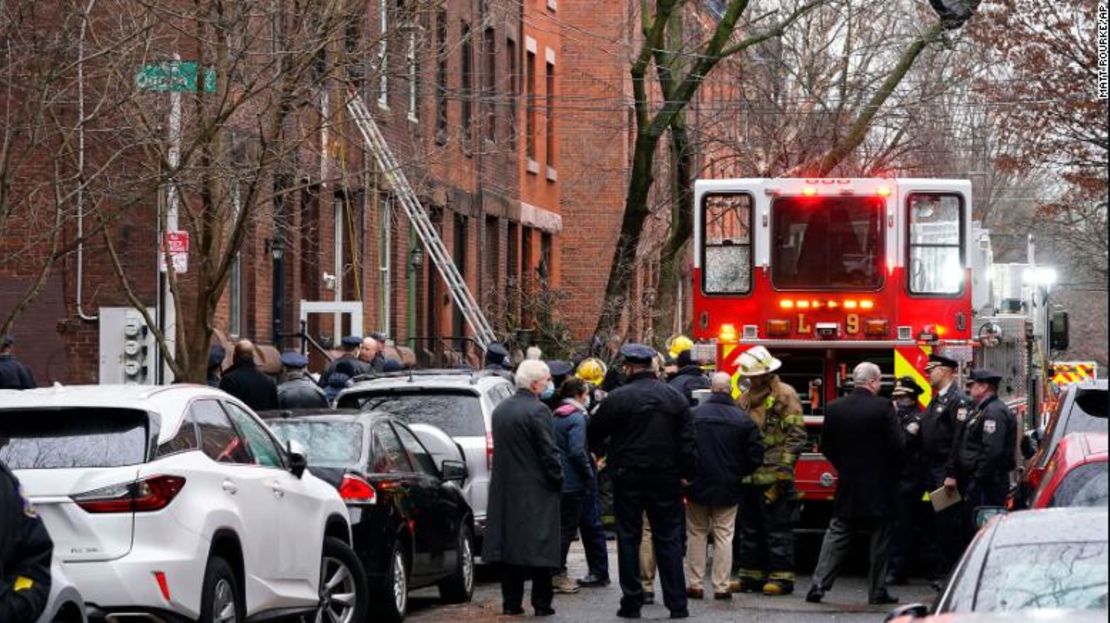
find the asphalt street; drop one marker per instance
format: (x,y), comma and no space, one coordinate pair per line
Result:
(846,603)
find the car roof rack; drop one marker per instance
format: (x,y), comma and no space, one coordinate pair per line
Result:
(474,375)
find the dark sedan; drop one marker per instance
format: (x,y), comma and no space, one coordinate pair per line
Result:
(1031,565)
(412,527)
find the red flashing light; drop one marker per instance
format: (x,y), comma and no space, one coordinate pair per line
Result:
(786,304)
(355,490)
(809,191)
(728,333)
(851,304)
(867,304)
(803,304)
(883,191)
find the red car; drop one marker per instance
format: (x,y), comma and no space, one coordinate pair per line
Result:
(1076,475)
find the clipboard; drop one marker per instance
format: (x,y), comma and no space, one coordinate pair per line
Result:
(943,497)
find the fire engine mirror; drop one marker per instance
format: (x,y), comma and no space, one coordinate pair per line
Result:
(1058,330)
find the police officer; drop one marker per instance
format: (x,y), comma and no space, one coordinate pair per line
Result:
(560,370)
(688,377)
(909,511)
(298,391)
(940,422)
(351,345)
(984,455)
(647,432)
(763,555)
(25,551)
(496,360)
(13,374)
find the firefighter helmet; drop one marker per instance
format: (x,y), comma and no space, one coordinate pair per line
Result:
(678,344)
(592,371)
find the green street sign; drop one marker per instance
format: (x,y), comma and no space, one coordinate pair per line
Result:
(175,76)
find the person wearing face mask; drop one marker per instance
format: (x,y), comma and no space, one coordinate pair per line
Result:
(522,530)
(911,514)
(646,431)
(570,435)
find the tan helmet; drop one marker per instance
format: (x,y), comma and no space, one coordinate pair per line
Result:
(756,361)
(592,371)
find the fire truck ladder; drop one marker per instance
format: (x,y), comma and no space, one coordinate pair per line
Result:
(427,233)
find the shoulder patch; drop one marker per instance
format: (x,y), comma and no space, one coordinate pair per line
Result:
(961,414)
(912,428)
(989,427)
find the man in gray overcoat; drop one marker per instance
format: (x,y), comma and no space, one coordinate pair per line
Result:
(522,533)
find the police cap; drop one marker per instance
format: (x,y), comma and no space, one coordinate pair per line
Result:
(559,368)
(6,340)
(937,360)
(906,386)
(293,359)
(351,341)
(637,353)
(984,375)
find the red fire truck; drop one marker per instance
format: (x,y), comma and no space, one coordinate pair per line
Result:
(827,273)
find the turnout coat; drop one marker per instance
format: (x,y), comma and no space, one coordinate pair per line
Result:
(523,512)
(862,437)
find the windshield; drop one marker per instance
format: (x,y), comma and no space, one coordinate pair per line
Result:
(457,413)
(1071,576)
(328,444)
(827,243)
(66,438)
(1083,486)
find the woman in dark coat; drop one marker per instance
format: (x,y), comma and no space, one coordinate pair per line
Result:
(522,533)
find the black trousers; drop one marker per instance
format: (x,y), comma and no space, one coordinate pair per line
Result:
(570,509)
(512,586)
(763,548)
(835,550)
(665,513)
(990,492)
(912,529)
(593,532)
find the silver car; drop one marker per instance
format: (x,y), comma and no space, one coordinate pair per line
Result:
(459,402)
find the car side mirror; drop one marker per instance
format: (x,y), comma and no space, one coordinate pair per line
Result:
(454,471)
(298,457)
(983,514)
(913,611)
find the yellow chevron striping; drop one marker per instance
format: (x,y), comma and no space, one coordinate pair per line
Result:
(903,367)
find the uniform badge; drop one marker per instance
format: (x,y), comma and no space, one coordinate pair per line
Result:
(961,414)
(913,427)
(988,427)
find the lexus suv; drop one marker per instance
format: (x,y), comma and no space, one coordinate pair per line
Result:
(459,402)
(171,503)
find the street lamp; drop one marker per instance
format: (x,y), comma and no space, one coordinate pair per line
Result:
(277,254)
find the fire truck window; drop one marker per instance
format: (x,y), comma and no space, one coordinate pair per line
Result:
(935,263)
(728,243)
(827,243)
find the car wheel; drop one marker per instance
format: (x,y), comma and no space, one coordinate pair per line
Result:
(220,600)
(459,588)
(391,600)
(343,597)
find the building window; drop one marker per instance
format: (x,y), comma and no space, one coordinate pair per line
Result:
(550,117)
(530,108)
(467,86)
(441,75)
(489,92)
(383,53)
(414,77)
(514,88)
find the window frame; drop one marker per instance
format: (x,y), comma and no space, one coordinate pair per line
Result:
(750,244)
(400,430)
(882,253)
(201,434)
(376,429)
(383,55)
(283,462)
(909,246)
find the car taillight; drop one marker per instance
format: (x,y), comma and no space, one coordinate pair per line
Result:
(355,490)
(142,496)
(489,451)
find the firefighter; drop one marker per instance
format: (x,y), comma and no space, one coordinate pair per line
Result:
(940,422)
(763,555)
(910,515)
(984,452)
(25,551)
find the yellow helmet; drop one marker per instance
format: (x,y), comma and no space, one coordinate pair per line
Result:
(678,344)
(592,371)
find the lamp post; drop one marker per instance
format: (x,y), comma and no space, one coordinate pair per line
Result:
(277,254)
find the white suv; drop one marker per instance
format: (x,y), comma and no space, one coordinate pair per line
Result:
(177,502)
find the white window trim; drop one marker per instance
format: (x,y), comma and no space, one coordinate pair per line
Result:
(383,54)
(414,105)
(385,268)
